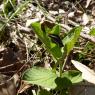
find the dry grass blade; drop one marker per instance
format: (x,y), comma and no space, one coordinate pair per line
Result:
(87,3)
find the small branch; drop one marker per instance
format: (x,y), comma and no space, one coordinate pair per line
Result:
(24,29)
(65,27)
(73,23)
(88,37)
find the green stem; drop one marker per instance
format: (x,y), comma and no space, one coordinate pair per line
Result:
(60,69)
(61,62)
(64,63)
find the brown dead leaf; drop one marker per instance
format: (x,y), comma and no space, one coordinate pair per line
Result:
(23,87)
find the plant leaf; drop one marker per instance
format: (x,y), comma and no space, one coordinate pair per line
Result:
(87,73)
(52,48)
(62,83)
(56,51)
(37,28)
(92,32)
(43,36)
(55,30)
(68,78)
(73,75)
(71,38)
(40,76)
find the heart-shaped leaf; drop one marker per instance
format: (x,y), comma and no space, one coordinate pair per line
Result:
(73,75)
(71,38)
(40,76)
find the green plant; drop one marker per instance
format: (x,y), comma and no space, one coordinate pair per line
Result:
(10,10)
(56,78)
